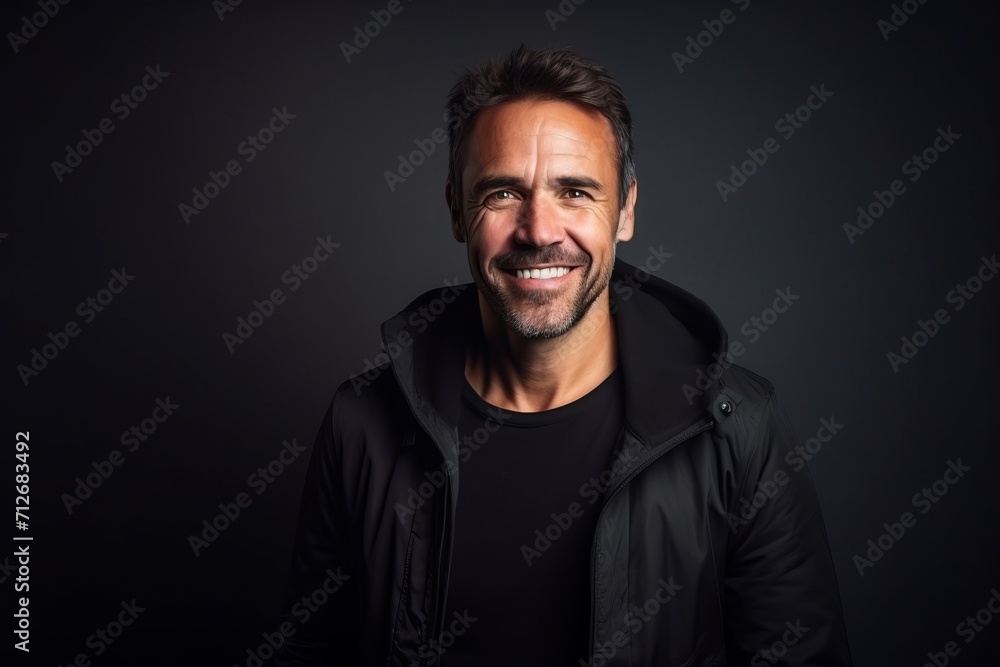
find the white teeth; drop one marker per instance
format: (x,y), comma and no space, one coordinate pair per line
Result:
(542,274)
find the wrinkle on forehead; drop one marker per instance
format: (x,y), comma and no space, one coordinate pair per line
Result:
(530,132)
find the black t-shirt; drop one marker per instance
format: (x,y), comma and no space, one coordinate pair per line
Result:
(528,591)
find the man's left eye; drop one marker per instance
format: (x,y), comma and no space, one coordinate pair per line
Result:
(577,194)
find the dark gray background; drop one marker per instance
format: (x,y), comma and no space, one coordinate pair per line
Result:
(324,175)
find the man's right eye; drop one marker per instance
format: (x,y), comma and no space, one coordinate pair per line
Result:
(502,195)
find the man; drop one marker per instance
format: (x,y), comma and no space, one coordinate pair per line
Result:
(559,466)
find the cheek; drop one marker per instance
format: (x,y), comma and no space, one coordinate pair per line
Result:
(474,226)
(597,225)
(490,236)
(497,224)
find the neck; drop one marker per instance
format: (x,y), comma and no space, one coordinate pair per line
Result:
(525,375)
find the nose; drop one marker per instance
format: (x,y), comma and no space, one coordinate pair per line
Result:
(539,223)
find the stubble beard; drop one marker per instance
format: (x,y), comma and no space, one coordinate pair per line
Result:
(543,314)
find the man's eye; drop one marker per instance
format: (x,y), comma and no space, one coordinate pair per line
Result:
(576,194)
(502,195)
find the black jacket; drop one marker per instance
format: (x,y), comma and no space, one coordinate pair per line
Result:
(710,547)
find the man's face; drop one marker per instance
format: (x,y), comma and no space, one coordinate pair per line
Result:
(540,212)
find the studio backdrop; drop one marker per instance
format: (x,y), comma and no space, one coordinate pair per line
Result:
(210,207)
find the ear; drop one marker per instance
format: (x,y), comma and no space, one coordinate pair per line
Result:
(456,223)
(626,217)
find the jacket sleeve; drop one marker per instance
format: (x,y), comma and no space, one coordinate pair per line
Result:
(320,616)
(782,602)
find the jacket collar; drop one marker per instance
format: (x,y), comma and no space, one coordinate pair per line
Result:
(667,338)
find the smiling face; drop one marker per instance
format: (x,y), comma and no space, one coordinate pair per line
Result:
(540,212)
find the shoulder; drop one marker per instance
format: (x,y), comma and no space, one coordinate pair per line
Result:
(367,416)
(365,401)
(759,427)
(754,392)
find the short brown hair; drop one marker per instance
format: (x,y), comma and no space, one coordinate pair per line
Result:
(546,74)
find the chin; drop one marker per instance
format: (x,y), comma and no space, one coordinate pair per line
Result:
(536,316)
(532,330)
(539,314)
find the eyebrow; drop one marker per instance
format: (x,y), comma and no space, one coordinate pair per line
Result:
(493,182)
(579,182)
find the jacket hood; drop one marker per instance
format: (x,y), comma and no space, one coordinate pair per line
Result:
(666,336)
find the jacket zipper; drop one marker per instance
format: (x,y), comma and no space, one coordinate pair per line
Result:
(690,432)
(437,630)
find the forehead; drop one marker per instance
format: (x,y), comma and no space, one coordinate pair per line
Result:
(508,134)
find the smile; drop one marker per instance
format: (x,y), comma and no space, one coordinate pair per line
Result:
(543,274)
